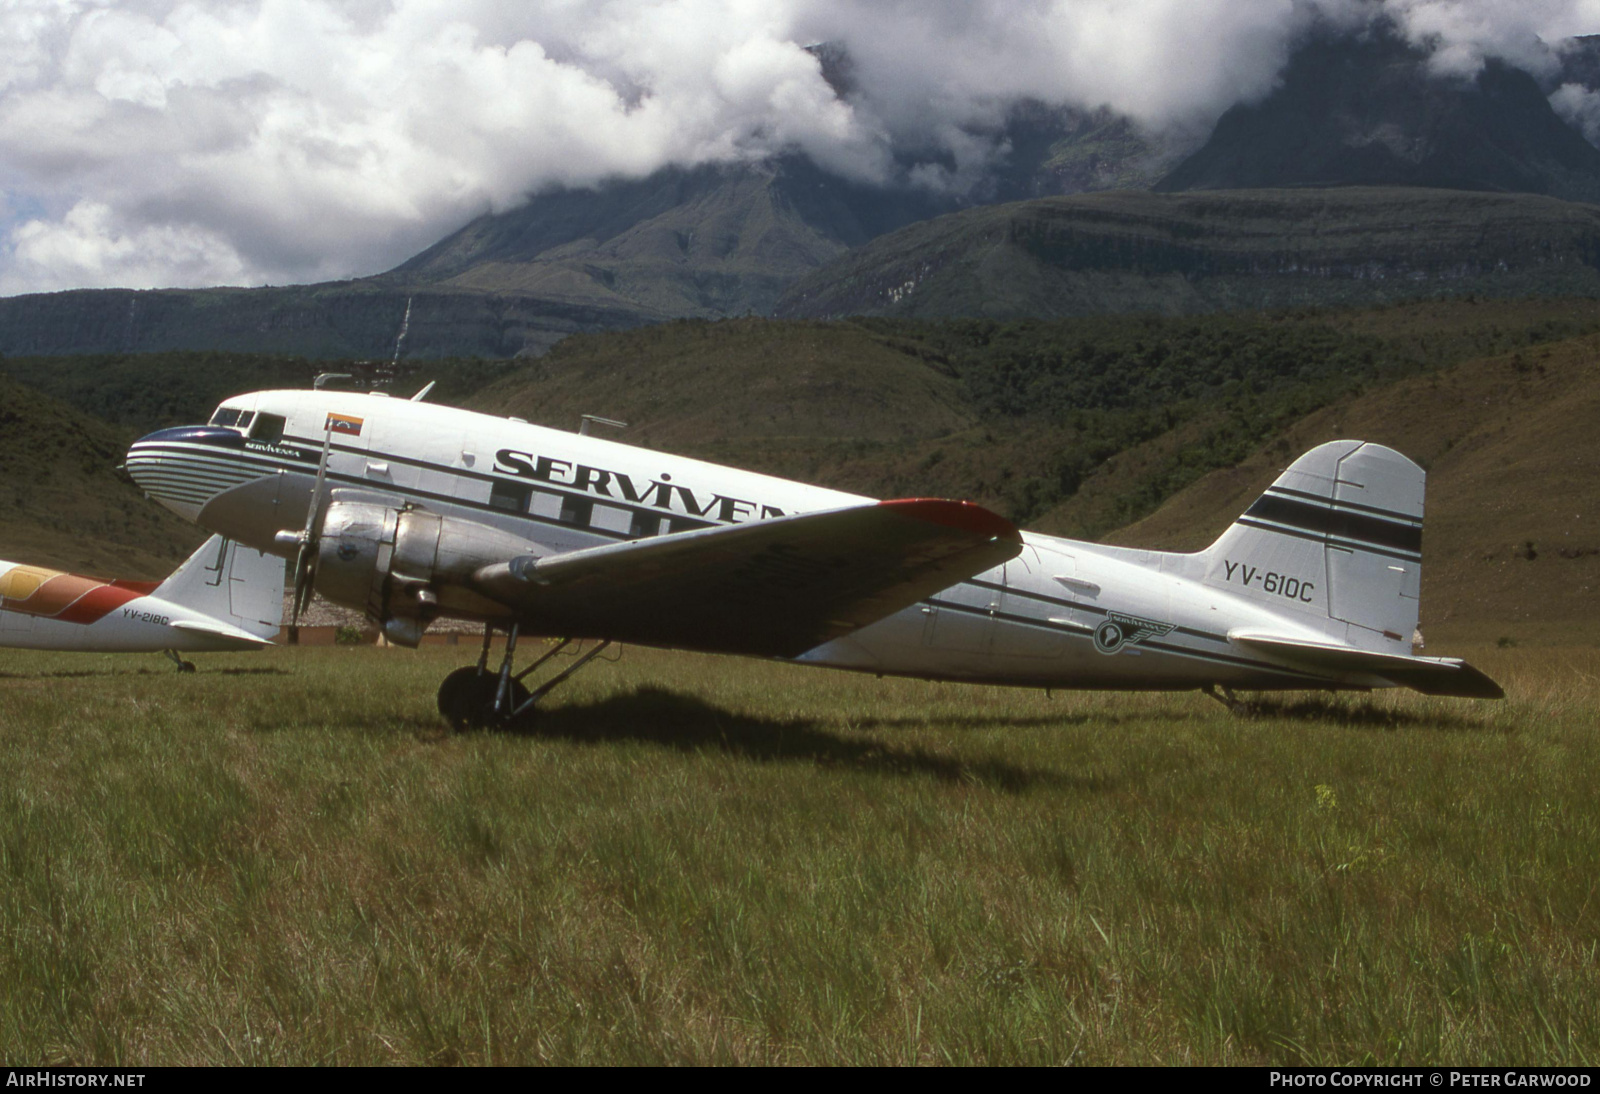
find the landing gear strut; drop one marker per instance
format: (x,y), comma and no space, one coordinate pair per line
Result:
(1225,696)
(475,698)
(183,666)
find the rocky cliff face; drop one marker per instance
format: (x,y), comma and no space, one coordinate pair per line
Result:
(1368,111)
(1194,252)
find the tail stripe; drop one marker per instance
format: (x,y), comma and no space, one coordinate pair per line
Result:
(1339,503)
(1365,532)
(1318,537)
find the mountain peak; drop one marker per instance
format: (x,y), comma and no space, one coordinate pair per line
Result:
(1367,110)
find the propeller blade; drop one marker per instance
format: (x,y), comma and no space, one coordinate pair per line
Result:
(305,563)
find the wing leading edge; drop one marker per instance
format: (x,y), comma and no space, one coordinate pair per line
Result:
(775,587)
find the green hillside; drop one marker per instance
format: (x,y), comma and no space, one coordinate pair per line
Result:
(1512,537)
(65,503)
(1019,416)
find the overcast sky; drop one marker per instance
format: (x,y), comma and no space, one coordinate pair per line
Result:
(150,143)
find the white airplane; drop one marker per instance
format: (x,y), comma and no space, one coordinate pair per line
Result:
(411,511)
(224,597)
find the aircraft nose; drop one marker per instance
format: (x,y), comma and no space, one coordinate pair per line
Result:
(185,467)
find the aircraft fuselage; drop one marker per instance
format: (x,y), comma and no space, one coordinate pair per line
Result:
(1063,613)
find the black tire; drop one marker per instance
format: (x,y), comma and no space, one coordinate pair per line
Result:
(452,696)
(466,699)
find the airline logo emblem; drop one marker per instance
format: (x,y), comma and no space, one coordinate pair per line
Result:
(1119,631)
(344,423)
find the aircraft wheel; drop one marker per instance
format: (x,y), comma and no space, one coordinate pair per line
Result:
(453,690)
(466,699)
(185,666)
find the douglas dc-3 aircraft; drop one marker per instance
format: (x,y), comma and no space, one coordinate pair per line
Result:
(411,511)
(224,597)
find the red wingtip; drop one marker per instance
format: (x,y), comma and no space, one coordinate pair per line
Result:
(956,514)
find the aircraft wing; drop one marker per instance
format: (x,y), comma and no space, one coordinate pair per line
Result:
(774,587)
(1429,675)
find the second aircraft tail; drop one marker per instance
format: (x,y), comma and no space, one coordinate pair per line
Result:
(230,583)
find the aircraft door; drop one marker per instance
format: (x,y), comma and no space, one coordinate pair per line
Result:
(962,617)
(16,584)
(1023,628)
(256,584)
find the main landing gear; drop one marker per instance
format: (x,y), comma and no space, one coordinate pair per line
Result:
(183,666)
(476,698)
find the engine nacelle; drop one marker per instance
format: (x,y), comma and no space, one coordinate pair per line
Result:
(393,563)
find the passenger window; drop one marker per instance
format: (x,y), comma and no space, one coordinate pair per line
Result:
(510,496)
(576,511)
(268,427)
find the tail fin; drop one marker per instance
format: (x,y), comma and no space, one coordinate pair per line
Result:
(230,583)
(1336,543)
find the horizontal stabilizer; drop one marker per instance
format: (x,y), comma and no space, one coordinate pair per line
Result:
(233,635)
(773,587)
(1429,675)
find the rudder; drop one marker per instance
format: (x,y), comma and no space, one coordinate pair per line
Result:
(1335,541)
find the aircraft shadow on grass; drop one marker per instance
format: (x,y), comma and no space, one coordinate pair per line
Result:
(81,674)
(689,724)
(1359,715)
(1098,718)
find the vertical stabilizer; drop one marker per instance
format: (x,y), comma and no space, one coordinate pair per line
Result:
(1335,543)
(232,583)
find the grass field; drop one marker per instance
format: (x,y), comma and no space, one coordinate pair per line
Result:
(285,859)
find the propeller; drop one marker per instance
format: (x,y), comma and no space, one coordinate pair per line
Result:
(309,540)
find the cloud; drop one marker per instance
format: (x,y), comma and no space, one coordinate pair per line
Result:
(186,142)
(1580,108)
(1461,34)
(89,248)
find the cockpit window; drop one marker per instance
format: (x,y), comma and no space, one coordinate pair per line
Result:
(225,416)
(244,418)
(268,427)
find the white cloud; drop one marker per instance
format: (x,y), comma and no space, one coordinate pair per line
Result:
(88,248)
(181,142)
(1461,34)
(1580,108)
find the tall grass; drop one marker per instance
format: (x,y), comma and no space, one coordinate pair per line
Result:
(285,858)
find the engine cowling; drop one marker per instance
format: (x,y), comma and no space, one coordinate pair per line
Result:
(394,563)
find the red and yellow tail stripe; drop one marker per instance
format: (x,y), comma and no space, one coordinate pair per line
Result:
(71,598)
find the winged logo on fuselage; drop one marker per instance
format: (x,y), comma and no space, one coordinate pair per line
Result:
(1120,631)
